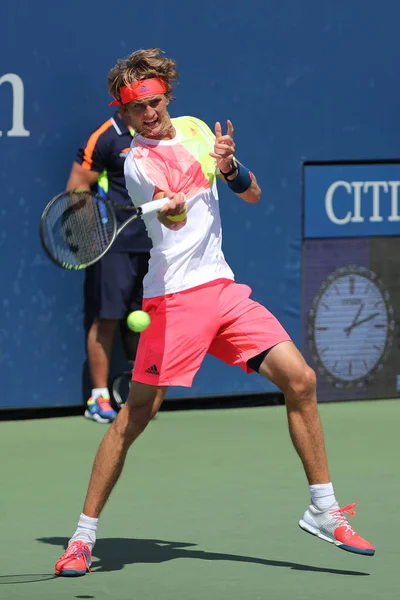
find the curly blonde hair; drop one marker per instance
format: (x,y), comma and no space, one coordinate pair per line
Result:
(142,64)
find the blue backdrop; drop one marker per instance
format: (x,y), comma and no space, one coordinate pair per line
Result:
(310,80)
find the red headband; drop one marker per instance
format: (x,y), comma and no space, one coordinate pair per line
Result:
(140,89)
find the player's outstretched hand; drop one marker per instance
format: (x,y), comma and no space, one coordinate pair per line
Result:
(224,147)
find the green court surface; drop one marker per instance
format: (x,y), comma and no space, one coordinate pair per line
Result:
(207,508)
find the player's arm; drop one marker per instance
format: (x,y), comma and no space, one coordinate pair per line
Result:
(240,180)
(80,178)
(253,193)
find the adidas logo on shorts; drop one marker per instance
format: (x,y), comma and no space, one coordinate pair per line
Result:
(152,370)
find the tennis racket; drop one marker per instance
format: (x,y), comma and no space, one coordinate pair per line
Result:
(120,387)
(77,228)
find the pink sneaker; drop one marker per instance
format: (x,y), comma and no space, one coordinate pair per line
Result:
(75,561)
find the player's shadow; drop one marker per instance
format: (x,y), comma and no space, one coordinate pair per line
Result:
(113,554)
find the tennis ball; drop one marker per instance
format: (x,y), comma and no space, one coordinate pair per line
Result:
(138,320)
(178,218)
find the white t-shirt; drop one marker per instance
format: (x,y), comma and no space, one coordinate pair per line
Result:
(192,256)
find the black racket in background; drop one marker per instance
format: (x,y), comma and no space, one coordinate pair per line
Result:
(120,387)
(77,228)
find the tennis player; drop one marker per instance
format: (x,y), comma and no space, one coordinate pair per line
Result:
(180,158)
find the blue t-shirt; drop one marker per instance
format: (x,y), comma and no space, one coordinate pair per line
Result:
(104,152)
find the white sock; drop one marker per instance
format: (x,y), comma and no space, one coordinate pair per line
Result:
(97,392)
(322,495)
(86,531)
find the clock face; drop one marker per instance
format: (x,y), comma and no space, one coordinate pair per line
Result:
(351,324)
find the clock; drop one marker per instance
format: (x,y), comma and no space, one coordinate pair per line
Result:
(350,326)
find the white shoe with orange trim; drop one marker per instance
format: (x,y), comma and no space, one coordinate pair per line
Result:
(332,526)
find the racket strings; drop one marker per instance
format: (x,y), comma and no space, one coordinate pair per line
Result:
(78,229)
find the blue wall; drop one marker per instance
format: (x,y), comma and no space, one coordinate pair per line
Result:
(310,80)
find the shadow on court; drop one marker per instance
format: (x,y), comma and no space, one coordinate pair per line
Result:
(114,553)
(26,578)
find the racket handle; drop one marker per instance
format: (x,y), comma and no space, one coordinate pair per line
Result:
(154,206)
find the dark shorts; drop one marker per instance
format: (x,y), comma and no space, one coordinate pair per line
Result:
(113,285)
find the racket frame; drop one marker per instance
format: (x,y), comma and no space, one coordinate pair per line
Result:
(147,208)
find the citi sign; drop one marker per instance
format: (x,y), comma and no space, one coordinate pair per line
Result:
(352,206)
(349,201)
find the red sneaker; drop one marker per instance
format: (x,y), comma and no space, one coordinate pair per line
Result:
(75,561)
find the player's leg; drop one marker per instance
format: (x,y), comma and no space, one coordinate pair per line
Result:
(99,340)
(160,362)
(170,352)
(99,343)
(253,339)
(286,367)
(143,403)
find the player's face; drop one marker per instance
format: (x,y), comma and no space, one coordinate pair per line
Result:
(149,116)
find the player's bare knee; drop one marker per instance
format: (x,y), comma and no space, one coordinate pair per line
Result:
(302,387)
(131,422)
(139,418)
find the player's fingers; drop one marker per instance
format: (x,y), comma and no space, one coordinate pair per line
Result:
(176,205)
(164,210)
(226,157)
(224,147)
(169,205)
(180,198)
(218,129)
(225,139)
(167,195)
(230,128)
(180,201)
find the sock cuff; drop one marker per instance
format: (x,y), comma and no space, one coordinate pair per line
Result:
(322,489)
(89,522)
(98,392)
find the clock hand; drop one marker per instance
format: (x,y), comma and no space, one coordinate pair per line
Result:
(366,319)
(358,313)
(348,329)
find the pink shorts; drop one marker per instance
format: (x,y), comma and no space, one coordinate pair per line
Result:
(217,318)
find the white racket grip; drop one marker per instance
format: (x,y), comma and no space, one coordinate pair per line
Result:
(153,206)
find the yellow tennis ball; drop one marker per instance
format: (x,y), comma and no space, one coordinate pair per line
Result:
(138,320)
(178,218)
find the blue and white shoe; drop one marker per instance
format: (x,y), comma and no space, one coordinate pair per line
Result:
(100,410)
